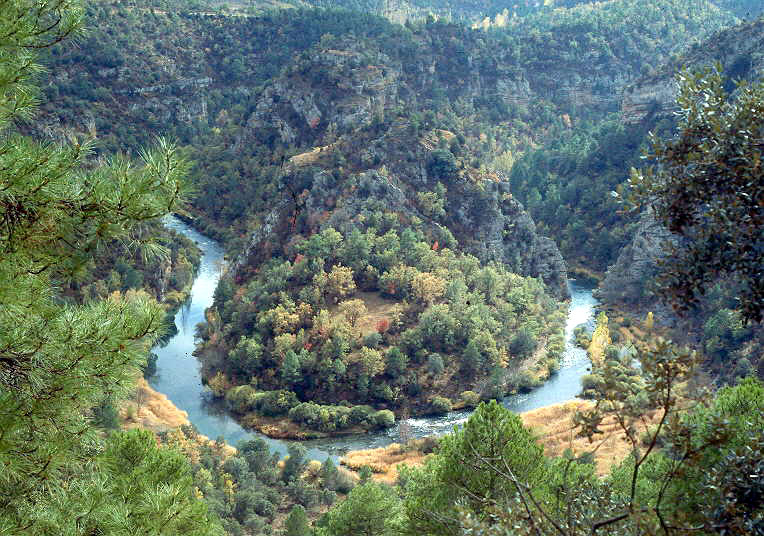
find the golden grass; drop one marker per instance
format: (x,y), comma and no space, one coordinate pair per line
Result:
(377,308)
(152,410)
(383,461)
(554,426)
(311,157)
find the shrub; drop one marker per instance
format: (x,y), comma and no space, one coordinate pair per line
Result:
(384,419)
(276,403)
(345,481)
(592,382)
(383,324)
(240,399)
(526,381)
(372,340)
(435,364)
(440,405)
(382,391)
(395,362)
(523,343)
(360,414)
(470,398)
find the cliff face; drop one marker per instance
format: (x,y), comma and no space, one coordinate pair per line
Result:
(630,280)
(738,49)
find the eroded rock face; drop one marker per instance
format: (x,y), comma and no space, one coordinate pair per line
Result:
(737,49)
(351,92)
(630,279)
(648,97)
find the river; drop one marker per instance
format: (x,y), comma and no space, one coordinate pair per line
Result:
(178,370)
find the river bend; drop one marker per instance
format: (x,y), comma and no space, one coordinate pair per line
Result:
(179,378)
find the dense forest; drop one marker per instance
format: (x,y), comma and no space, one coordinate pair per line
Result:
(403,190)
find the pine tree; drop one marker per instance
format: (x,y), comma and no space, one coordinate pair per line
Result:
(296,523)
(58,361)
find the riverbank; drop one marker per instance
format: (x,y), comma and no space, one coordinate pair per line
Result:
(151,410)
(553,424)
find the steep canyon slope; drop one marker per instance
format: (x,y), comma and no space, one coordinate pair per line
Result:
(319,129)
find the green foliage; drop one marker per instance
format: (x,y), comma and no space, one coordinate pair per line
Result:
(371,509)
(461,472)
(384,419)
(440,405)
(705,187)
(285,331)
(296,523)
(435,363)
(60,359)
(246,489)
(470,399)
(699,467)
(294,462)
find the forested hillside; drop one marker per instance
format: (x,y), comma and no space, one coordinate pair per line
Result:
(402,189)
(305,121)
(497,90)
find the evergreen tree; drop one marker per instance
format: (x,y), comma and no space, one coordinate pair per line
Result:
(371,509)
(462,474)
(296,523)
(56,360)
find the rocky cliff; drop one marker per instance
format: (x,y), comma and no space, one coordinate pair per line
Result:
(630,281)
(740,50)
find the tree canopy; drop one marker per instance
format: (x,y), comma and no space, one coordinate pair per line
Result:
(707,186)
(57,360)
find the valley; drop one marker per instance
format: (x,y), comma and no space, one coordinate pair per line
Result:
(392,268)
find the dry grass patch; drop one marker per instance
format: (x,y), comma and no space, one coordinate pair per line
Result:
(151,410)
(384,461)
(378,309)
(554,426)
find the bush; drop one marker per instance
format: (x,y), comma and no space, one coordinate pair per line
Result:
(526,381)
(523,343)
(345,481)
(320,417)
(383,392)
(276,403)
(581,336)
(592,382)
(470,399)
(241,399)
(384,419)
(372,340)
(440,405)
(360,414)
(435,364)
(553,365)
(395,362)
